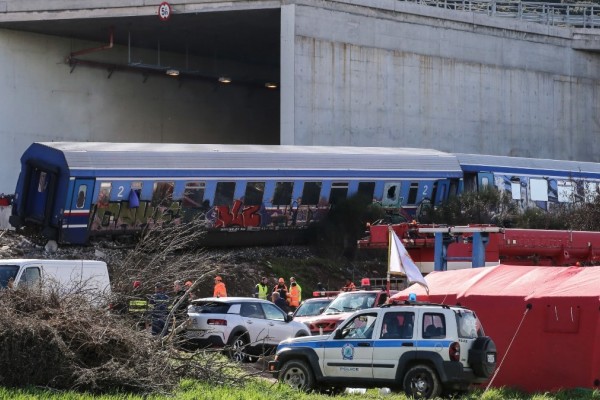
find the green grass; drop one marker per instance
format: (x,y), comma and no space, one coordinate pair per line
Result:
(257,389)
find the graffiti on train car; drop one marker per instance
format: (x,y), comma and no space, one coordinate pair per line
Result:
(122,216)
(239,215)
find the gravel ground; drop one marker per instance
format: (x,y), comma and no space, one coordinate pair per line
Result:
(241,268)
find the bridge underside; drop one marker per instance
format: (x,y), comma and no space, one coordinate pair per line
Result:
(242,36)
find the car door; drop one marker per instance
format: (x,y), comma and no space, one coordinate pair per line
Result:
(277,326)
(349,351)
(395,337)
(254,320)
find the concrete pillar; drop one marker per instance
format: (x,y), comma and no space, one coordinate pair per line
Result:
(287,92)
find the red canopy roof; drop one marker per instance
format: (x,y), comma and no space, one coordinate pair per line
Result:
(551,312)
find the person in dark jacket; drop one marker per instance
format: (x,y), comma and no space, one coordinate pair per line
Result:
(159,302)
(282,289)
(279,302)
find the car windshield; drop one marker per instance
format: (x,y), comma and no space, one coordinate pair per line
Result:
(6,273)
(348,302)
(210,307)
(468,325)
(311,308)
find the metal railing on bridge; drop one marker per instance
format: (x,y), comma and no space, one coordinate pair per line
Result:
(577,15)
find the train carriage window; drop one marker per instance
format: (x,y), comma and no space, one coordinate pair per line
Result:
(434,191)
(442,190)
(104,195)
(193,195)
(538,189)
(311,193)
(566,191)
(254,193)
(515,187)
(413,191)
(591,191)
(366,190)
(339,192)
(162,194)
(470,182)
(453,188)
(283,193)
(42,182)
(391,194)
(224,193)
(135,194)
(81,195)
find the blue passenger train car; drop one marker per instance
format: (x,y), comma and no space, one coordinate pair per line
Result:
(531,182)
(72,191)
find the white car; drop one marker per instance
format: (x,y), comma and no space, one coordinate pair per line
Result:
(245,326)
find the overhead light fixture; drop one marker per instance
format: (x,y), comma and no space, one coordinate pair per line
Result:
(172,72)
(271,85)
(224,79)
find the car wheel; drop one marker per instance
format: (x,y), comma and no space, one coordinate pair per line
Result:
(422,382)
(301,334)
(297,374)
(237,348)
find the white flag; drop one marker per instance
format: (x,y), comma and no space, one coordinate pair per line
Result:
(399,262)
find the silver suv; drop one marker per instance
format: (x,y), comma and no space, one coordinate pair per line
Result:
(422,349)
(246,326)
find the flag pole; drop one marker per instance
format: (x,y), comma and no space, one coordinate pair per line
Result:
(388,284)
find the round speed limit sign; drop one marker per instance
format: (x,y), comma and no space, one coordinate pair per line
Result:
(164,11)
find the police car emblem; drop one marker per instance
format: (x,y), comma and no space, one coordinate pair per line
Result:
(347,352)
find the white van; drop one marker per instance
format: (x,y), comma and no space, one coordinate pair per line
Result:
(88,276)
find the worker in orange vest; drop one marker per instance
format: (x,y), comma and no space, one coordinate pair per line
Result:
(220,290)
(295,296)
(350,286)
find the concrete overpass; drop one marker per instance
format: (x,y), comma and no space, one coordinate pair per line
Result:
(455,77)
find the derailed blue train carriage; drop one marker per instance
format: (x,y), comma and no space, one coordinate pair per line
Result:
(532,183)
(257,194)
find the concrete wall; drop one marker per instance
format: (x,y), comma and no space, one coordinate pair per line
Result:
(41,100)
(353,72)
(421,77)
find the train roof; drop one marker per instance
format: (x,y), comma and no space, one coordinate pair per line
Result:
(96,156)
(529,166)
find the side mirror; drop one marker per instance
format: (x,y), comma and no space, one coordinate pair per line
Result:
(337,334)
(288,318)
(321,310)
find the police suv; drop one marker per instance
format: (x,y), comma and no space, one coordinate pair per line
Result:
(424,349)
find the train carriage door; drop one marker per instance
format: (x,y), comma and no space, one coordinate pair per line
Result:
(77,216)
(40,195)
(440,192)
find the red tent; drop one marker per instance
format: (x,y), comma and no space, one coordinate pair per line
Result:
(553,314)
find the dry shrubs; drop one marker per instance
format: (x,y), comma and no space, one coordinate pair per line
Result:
(59,340)
(64,343)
